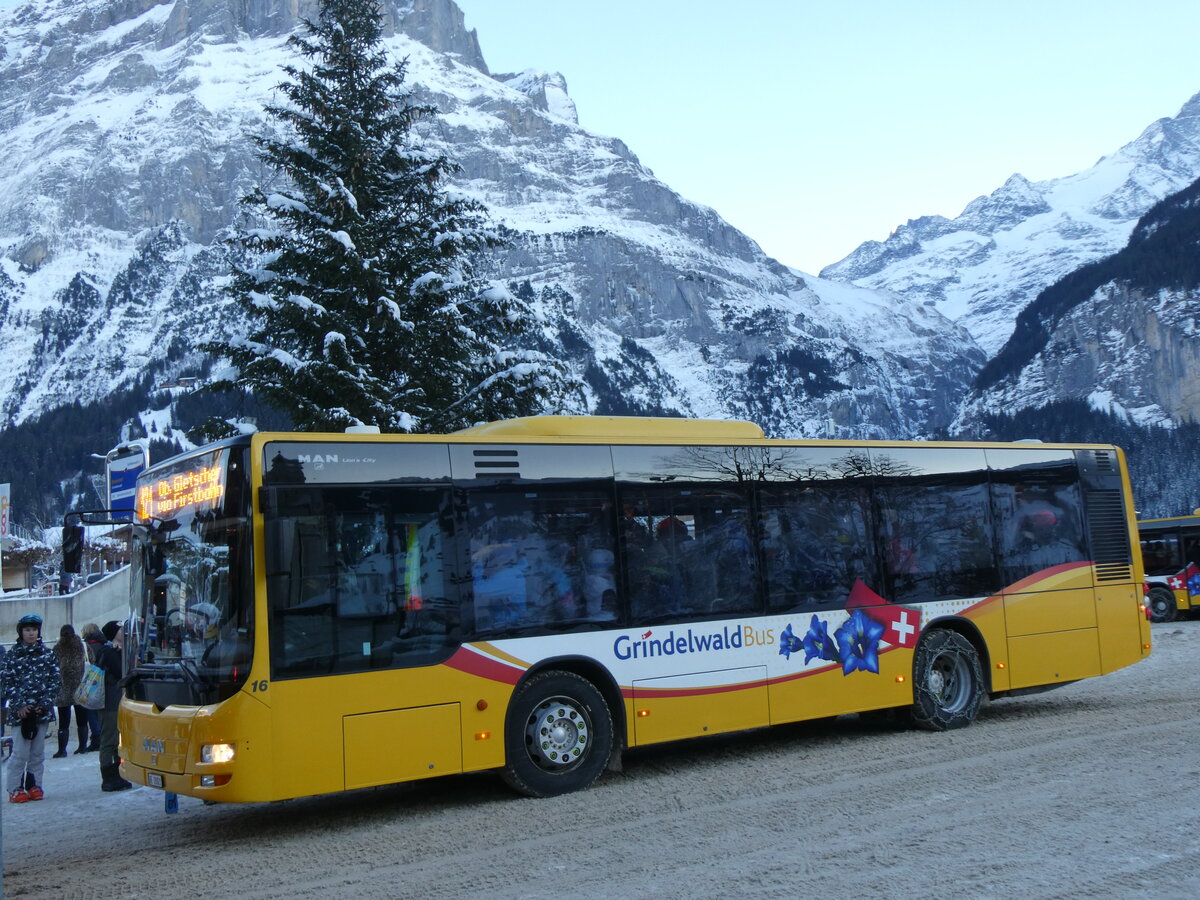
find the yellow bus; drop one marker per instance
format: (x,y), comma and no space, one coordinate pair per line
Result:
(1171,552)
(324,612)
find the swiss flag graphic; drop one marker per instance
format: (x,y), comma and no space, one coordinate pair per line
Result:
(901,623)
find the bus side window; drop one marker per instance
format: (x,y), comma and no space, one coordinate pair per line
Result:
(1191,552)
(937,541)
(540,557)
(1040,526)
(364,585)
(812,538)
(689,552)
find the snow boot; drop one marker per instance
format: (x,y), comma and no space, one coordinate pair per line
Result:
(112,780)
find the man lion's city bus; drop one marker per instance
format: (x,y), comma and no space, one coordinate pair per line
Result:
(1171,551)
(325,612)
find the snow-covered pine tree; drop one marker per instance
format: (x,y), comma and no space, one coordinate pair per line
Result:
(358,273)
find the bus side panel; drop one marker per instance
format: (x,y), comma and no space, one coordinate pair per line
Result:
(829,692)
(1052,633)
(1120,613)
(1052,658)
(685,706)
(402,713)
(1040,612)
(306,721)
(988,617)
(402,745)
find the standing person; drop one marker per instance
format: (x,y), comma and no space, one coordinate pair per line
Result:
(31,680)
(110,661)
(93,642)
(71,654)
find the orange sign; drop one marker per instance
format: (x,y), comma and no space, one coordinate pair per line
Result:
(167,496)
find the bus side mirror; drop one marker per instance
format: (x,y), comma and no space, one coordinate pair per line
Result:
(72,548)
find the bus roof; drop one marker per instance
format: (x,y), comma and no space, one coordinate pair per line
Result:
(618,427)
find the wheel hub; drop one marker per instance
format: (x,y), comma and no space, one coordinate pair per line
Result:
(557,734)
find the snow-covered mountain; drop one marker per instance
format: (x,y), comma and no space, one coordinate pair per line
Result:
(126,124)
(1122,333)
(983,267)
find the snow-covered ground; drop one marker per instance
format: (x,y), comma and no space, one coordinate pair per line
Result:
(1092,790)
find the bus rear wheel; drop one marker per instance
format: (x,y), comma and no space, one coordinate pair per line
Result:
(947,682)
(559,735)
(1162,604)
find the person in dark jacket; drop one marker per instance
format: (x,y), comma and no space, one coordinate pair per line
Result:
(31,680)
(71,656)
(111,662)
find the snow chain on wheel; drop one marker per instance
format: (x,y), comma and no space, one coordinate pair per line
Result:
(558,735)
(947,681)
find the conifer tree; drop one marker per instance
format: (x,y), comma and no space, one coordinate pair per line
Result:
(359,280)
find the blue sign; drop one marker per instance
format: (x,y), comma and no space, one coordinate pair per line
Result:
(124,464)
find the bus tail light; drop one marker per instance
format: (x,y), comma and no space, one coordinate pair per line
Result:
(216,753)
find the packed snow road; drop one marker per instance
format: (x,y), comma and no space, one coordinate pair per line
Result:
(1091,790)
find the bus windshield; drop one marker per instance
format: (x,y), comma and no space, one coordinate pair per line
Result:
(194,619)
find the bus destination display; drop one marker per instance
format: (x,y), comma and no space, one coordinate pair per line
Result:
(167,497)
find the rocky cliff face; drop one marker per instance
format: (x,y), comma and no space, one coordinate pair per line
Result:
(1122,350)
(128,125)
(1121,333)
(983,267)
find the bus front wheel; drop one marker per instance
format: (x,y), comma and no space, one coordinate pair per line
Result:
(1162,604)
(947,681)
(558,737)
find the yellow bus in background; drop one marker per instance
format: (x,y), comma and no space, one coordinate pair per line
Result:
(1171,553)
(324,612)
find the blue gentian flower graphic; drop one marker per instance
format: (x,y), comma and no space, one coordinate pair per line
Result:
(789,643)
(818,644)
(858,643)
(1194,585)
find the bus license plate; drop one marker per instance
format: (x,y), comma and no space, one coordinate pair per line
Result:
(154,779)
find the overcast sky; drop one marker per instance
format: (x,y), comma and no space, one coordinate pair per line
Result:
(815,126)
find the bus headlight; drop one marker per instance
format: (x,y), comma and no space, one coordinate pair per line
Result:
(216,753)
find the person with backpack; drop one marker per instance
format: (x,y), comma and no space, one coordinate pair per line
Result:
(111,662)
(71,656)
(31,681)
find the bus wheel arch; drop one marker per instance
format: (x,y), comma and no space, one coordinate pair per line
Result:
(558,734)
(948,680)
(1161,600)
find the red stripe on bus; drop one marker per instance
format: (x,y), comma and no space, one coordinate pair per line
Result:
(472,663)
(1025,583)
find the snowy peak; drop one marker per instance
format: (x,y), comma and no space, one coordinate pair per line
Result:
(983,267)
(1016,199)
(548,91)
